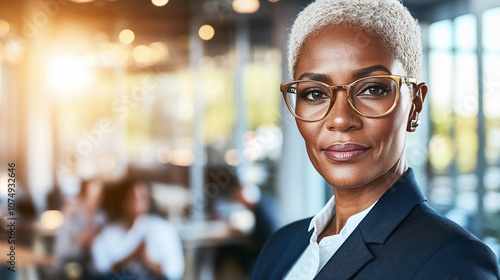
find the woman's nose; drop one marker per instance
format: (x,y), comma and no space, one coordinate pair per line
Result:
(342,116)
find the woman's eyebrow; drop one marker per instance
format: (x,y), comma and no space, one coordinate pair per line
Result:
(315,76)
(360,73)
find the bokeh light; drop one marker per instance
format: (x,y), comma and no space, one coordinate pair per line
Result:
(126,36)
(232,157)
(251,193)
(142,54)
(159,3)
(73,270)
(52,219)
(4,27)
(182,157)
(185,109)
(107,163)
(163,155)
(243,220)
(206,32)
(246,6)
(159,50)
(4,177)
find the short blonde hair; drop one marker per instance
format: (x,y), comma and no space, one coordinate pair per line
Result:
(387,18)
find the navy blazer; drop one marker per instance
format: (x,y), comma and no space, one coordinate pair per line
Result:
(402,237)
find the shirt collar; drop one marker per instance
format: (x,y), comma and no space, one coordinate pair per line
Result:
(324,216)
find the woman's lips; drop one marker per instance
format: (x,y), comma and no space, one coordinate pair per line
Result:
(345,151)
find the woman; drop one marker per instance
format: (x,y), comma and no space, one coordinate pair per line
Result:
(356,66)
(138,244)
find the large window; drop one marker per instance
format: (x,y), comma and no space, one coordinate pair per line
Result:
(464,150)
(491,101)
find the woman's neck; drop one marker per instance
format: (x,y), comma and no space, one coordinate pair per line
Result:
(350,201)
(129,220)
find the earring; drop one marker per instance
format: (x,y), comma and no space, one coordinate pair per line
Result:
(414,123)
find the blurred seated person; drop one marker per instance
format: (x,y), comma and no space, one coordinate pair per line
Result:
(137,242)
(249,212)
(82,222)
(21,256)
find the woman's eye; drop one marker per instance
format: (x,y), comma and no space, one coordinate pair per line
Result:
(314,95)
(374,91)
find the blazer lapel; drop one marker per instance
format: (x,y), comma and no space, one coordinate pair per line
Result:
(292,253)
(350,258)
(390,210)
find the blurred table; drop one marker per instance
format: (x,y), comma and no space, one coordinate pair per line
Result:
(200,240)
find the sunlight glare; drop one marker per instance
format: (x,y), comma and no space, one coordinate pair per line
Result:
(69,73)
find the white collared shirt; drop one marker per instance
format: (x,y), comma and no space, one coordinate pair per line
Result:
(315,256)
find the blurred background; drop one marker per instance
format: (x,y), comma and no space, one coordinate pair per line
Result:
(182,96)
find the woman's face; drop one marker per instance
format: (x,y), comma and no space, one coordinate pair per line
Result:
(347,149)
(138,200)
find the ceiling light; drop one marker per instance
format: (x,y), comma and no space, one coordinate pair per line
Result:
(206,32)
(159,3)
(246,6)
(126,36)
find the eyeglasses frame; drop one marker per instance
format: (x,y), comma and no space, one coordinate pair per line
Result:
(398,79)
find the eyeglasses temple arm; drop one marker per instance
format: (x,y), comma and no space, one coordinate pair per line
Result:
(409,80)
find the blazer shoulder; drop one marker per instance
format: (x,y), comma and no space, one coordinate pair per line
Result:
(442,223)
(462,259)
(281,248)
(427,245)
(297,225)
(459,255)
(285,235)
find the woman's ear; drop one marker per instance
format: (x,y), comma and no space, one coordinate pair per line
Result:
(420,92)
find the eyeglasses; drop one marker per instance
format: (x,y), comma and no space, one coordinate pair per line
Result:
(372,97)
